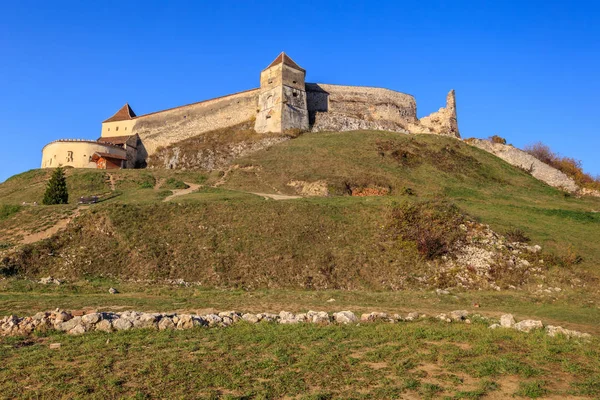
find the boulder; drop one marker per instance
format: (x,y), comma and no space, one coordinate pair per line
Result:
(318,317)
(78,330)
(91,319)
(345,317)
(459,315)
(166,323)
(113,291)
(104,325)
(251,318)
(286,317)
(528,325)
(122,324)
(507,321)
(412,316)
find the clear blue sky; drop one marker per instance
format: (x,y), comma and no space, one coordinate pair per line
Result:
(526,70)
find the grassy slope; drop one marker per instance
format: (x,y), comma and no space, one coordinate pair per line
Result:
(266,361)
(222,237)
(338,241)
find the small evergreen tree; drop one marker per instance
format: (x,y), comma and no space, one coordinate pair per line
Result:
(56,190)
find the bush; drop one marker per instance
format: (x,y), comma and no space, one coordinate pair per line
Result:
(569,166)
(173,183)
(56,190)
(517,235)
(497,139)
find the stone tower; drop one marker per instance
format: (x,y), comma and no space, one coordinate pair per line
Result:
(282,98)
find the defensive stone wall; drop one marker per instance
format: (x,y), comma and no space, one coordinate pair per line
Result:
(337,107)
(75,153)
(174,125)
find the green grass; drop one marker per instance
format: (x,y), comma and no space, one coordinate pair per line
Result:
(422,359)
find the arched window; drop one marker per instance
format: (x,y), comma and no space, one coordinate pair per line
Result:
(69,156)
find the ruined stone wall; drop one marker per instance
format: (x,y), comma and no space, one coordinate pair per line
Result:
(443,121)
(359,107)
(521,159)
(170,126)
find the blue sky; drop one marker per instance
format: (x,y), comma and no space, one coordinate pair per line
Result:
(526,70)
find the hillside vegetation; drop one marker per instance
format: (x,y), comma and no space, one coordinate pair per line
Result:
(228,237)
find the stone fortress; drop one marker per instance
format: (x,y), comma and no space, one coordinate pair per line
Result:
(284,103)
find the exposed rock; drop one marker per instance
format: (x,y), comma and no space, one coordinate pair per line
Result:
(317,188)
(54,346)
(113,291)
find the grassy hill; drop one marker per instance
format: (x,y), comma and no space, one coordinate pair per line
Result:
(377,239)
(227,236)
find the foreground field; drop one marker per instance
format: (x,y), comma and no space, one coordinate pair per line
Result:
(422,359)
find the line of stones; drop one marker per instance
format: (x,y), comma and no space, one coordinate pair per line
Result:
(78,322)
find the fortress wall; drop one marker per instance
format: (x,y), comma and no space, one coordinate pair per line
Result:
(75,153)
(170,126)
(367,103)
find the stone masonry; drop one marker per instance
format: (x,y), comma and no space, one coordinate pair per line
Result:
(284,103)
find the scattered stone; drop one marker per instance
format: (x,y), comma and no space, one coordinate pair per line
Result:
(412,316)
(494,326)
(528,325)
(507,321)
(330,300)
(345,317)
(50,280)
(251,318)
(113,291)
(91,318)
(166,323)
(54,346)
(122,324)
(77,330)
(318,317)
(459,315)
(287,318)
(442,291)
(104,326)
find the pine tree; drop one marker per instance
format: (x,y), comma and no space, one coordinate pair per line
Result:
(56,190)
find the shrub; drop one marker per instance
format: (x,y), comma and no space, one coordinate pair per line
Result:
(497,139)
(433,226)
(517,235)
(570,166)
(173,183)
(56,190)
(6,210)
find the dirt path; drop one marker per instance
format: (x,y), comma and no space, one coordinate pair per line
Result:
(275,196)
(180,192)
(58,226)
(111,179)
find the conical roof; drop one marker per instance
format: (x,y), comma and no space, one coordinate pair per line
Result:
(125,113)
(285,59)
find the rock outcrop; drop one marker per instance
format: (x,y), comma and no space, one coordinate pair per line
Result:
(527,162)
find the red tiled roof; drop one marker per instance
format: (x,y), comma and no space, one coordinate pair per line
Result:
(124,113)
(114,139)
(285,59)
(108,155)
